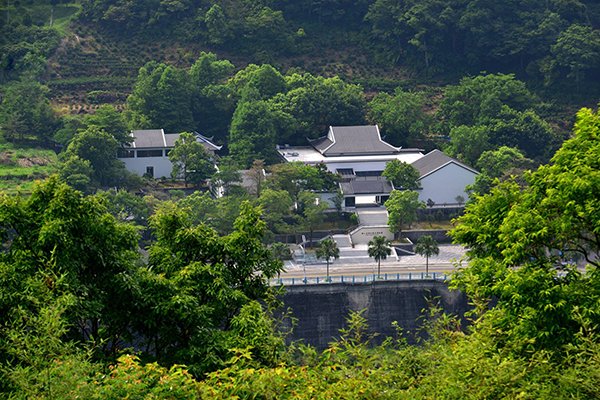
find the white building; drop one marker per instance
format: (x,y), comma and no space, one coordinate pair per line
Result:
(358,152)
(443,178)
(149,152)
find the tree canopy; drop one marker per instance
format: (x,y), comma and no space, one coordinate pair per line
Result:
(524,243)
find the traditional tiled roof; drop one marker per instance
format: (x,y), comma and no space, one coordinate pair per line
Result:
(157,138)
(148,138)
(349,140)
(434,160)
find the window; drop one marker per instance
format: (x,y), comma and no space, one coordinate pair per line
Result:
(149,153)
(123,153)
(150,171)
(350,201)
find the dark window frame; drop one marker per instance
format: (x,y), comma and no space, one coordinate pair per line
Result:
(150,153)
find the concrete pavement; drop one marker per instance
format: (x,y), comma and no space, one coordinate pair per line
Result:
(356,261)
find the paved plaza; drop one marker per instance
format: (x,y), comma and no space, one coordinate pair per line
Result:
(351,258)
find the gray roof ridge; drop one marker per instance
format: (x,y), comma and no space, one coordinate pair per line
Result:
(449,160)
(333,141)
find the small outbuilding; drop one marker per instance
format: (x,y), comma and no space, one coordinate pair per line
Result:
(149,151)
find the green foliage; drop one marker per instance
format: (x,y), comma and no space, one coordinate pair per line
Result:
(227,177)
(126,206)
(312,211)
(25,112)
(69,244)
(99,149)
(427,247)
(487,112)
(379,249)
(252,134)
(402,175)
(111,121)
(161,98)
(546,301)
(281,251)
(200,207)
(190,160)
(504,163)
(328,250)
(577,48)
(477,100)
(207,284)
(401,117)
(296,177)
(314,103)
(402,207)
(275,205)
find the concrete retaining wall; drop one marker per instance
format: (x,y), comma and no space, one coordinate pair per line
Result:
(321,310)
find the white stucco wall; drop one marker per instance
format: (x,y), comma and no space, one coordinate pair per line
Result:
(162,165)
(443,185)
(364,234)
(357,166)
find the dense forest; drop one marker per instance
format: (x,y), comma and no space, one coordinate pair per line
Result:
(495,84)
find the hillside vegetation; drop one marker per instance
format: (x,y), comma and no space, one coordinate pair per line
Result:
(202,299)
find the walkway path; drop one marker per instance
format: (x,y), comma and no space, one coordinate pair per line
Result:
(372,216)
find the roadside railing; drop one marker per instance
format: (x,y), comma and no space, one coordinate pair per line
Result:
(316,280)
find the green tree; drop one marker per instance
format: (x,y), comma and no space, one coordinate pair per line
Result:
(69,245)
(252,133)
(267,81)
(315,103)
(213,101)
(127,207)
(205,291)
(328,250)
(190,160)
(401,117)
(111,121)
(295,177)
(161,98)
(70,125)
(100,149)
(379,249)
(338,203)
(26,112)
(504,163)
(312,212)
(427,247)
(402,175)
(226,177)
(200,207)
(476,100)
(468,143)
(281,251)
(76,172)
(402,207)
(520,241)
(524,130)
(578,48)
(217,27)
(275,205)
